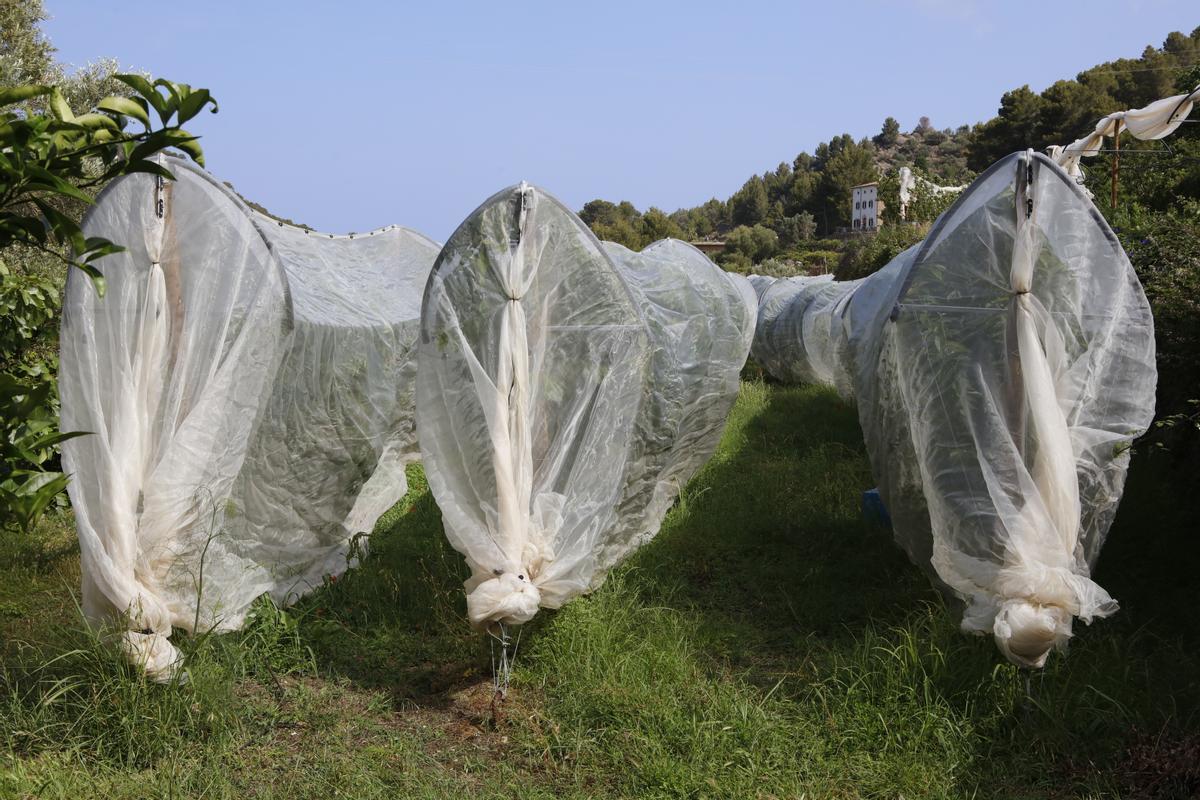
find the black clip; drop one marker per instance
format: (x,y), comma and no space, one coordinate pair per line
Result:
(160,205)
(1028,186)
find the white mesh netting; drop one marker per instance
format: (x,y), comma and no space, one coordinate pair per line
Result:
(248,387)
(1001,370)
(568,390)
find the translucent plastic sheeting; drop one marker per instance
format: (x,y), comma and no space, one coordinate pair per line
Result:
(782,305)
(568,390)
(1001,369)
(248,387)
(748,292)
(760,284)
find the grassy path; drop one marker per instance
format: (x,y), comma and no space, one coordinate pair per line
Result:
(769,643)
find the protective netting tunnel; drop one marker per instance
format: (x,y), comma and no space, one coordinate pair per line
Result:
(1001,369)
(248,390)
(568,390)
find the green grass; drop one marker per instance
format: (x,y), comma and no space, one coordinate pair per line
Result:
(769,643)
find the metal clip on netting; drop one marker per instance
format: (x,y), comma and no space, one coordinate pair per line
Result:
(160,203)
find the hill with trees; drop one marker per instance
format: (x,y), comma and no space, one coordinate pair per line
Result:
(780,222)
(778,214)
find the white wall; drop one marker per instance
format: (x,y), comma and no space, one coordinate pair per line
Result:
(864,208)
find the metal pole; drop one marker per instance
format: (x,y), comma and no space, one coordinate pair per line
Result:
(1015,406)
(1116,164)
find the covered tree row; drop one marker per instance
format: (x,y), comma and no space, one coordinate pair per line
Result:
(1001,370)
(567,391)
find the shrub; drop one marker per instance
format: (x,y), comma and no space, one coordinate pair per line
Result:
(866,254)
(736,262)
(781,268)
(757,243)
(821,261)
(1165,252)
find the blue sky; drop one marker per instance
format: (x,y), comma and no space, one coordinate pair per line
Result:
(353,115)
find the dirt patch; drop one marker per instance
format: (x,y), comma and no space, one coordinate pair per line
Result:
(1162,767)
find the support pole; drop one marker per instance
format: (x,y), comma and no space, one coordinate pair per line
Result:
(1116,164)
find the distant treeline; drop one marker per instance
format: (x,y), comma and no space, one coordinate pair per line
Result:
(775,212)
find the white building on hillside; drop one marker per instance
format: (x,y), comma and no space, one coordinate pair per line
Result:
(865,209)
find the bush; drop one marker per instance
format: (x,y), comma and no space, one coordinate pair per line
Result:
(1165,252)
(757,243)
(819,244)
(821,261)
(781,268)
(866,254)
(736,262)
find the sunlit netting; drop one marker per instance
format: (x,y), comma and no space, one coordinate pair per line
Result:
(568,390)
(749,295)
(1001,369)
(760,284)
(248,387)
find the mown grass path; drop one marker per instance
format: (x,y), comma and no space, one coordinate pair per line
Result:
(769,643)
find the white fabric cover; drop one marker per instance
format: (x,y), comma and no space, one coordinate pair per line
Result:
(249,390)
(909,181)
(568,390)
(782,304)
(1001,368)
(1156,121)
(749,296)
(760,283)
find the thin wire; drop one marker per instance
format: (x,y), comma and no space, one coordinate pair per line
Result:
(502,670)
(1095,71)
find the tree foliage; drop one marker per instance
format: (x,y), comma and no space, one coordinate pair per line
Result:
(1068,109)
(749,205)
(624,224)
(796,229)
(850,164)
(26,55)
(54,155)
(890,134)
(756,243)
(924,204)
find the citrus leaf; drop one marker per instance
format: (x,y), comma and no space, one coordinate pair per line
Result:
(59,107)
(17,94)
(146,90)
(128,106)
(191,146)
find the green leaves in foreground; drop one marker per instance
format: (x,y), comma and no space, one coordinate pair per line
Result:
(29,436)
(52,160)
(49,156)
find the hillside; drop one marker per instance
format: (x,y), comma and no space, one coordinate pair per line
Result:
(785,208)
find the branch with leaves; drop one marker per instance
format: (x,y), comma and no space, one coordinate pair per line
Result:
(49,158)
(61,155)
